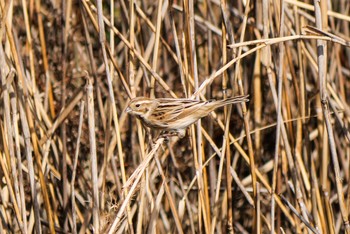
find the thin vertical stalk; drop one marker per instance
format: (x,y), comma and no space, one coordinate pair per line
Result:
(92,141)
(279,116)
(156,46)
(227,115)
(75,162)
(320,16)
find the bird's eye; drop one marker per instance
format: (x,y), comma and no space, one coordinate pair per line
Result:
(137,105)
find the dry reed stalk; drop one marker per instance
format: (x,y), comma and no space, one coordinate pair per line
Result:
(277,164)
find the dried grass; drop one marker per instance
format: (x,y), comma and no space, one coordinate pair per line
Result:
(73,161)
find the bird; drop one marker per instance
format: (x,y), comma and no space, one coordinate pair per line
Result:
(174,115)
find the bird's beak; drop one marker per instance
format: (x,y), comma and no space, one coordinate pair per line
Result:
(127,110)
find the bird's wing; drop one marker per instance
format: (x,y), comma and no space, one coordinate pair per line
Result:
(172,109)
(197,108)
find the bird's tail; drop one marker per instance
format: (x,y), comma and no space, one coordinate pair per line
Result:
(232,100)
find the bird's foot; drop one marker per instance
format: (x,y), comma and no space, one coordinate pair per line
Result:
(167,134)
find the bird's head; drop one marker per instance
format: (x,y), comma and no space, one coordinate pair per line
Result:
(139,106)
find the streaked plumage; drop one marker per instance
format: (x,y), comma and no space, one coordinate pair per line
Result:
(175,114)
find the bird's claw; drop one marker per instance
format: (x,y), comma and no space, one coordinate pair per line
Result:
(167,134)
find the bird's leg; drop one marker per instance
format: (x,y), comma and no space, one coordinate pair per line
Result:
(164,135)
(179,133)
(148,134)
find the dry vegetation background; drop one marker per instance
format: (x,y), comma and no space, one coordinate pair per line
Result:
(72,161)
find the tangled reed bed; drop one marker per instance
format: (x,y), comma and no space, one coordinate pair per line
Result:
(73,161)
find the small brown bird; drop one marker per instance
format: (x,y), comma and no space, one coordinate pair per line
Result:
(175,114)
